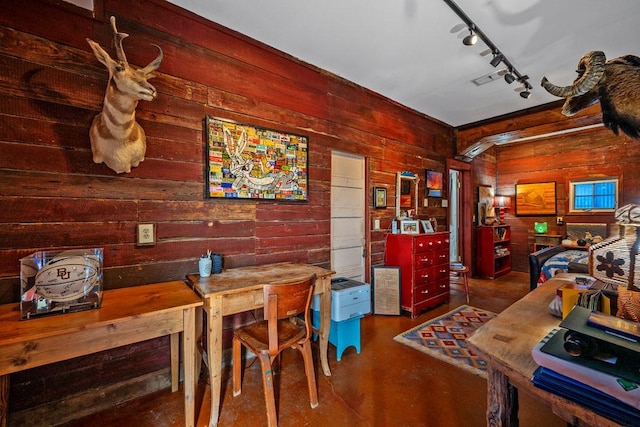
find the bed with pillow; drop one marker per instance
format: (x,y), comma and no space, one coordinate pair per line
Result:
(547,262)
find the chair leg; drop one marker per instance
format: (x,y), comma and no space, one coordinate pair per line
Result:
(237,367)
(269,396)
(307,356)
(466,285)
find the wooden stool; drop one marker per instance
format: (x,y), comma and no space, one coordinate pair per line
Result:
(456,271)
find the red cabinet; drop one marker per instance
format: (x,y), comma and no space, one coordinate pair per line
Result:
(493,251)
(424,268)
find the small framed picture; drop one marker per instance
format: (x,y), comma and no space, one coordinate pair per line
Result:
(433,186)
(427,226)
(386,290)
(409,227)
(379,197)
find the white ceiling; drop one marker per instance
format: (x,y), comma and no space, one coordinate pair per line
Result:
(411,51)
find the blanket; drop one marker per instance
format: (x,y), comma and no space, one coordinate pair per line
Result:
(559,263)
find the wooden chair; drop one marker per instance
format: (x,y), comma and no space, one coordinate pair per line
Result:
(281,328)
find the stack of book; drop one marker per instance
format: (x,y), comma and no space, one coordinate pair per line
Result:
(590,293)
(501,251)
(606,378)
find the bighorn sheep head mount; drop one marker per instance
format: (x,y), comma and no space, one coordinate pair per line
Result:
(116,138)
(615,83)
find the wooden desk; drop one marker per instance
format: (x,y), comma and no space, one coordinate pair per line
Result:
(240,289)
(506,342)
(127,316)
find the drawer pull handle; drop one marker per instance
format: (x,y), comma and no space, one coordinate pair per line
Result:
(424,260)
(443,286)
(443,256)
(420,245)
(425,276)
(426,291)
(443,271)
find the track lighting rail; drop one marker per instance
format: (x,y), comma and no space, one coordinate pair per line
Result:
(498,57)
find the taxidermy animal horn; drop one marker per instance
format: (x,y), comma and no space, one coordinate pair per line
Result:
(590,71)
(116,138)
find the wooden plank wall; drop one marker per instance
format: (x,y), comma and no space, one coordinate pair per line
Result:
(588,154)
(54,197)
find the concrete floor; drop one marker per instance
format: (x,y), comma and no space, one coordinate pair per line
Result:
(387,384)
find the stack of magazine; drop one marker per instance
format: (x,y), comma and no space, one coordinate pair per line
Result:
(607,379)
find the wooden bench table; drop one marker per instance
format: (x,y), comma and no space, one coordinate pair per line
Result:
(240,289)
(506,342)
(127,316)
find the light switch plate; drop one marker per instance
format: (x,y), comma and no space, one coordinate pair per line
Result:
(146,234)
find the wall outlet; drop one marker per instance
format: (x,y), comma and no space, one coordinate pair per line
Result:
(146,234)
(559,220)
(376,224)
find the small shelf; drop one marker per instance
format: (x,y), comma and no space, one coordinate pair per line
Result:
(493,251)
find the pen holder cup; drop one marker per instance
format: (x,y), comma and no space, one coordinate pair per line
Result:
(204,267)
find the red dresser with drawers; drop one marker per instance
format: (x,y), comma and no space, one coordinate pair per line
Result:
(424,268)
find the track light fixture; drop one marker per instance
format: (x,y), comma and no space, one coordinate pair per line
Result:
(476,33)
(497,59)
(471,39)
(509,78)
(526,86)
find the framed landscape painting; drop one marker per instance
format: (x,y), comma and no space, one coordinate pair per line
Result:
(434,186)
(537,199)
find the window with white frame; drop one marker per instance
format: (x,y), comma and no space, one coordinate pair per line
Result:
(596,195)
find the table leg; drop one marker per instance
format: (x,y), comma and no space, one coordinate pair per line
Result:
(502,400)
(188,360)
(199,343)
(175,361)
(325,324)
(214,354)
(4,399)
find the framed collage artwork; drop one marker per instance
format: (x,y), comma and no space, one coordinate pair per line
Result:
(249,162)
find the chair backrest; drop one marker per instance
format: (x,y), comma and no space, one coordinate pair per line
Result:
(284,300)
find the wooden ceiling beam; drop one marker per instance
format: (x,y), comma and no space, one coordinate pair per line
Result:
(526,125)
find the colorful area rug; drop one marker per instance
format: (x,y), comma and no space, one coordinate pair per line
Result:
(444,338)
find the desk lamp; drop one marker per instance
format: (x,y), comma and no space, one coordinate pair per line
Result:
(502,203)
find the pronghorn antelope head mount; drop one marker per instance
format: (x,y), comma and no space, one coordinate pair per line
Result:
(116,138)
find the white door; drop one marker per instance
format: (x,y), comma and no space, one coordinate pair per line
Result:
(347,216)
(454,215)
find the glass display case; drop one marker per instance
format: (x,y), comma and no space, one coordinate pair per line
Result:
(60,281)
